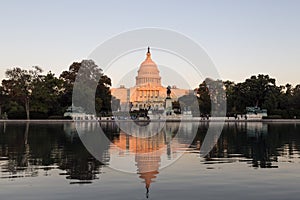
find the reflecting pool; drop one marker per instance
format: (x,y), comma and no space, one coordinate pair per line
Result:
(249,161)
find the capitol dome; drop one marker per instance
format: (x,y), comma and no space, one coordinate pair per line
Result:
(148,72)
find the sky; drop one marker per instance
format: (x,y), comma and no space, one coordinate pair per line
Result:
(243,38)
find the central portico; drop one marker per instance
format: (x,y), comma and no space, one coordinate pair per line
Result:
(148,90)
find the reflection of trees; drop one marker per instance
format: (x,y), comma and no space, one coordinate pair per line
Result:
(262,143)
(201,132)
(260,152)
(15,150)
(30,148)
(78,163)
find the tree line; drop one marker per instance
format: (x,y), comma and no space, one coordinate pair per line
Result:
(29,94)
(281,101)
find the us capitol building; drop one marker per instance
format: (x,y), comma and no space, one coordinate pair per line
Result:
(148,90)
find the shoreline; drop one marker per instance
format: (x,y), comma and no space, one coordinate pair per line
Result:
(53,121)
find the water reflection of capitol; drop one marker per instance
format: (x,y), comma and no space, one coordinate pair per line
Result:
(147,154)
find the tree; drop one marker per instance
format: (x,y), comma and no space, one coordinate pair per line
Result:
(103,93)
(296,97)
(2,99)
(258,88)
(230,90)
(217,96)
(68,78)
(259,91)
(116,104)
(87,73)
(189,102)
(46,94)
(20,84)
(204,98)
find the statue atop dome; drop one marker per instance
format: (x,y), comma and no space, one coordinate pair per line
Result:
(149,55)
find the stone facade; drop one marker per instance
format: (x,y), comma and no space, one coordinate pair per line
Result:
(148,90)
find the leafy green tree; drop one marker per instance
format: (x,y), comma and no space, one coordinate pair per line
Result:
(217,96)
(87,73)
(296,97)
(103,93)
(20,84)
(285,97)
(263,92)
(230,90)
(3,99)
(116,104)
(259,91)
(46,94)
(204,98)
(68,78)
(257,88)
(189,102)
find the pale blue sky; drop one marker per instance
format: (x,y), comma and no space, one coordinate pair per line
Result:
(242,37)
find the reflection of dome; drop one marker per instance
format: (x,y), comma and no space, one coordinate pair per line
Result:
(148,72)
(148,177)
(147,152)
